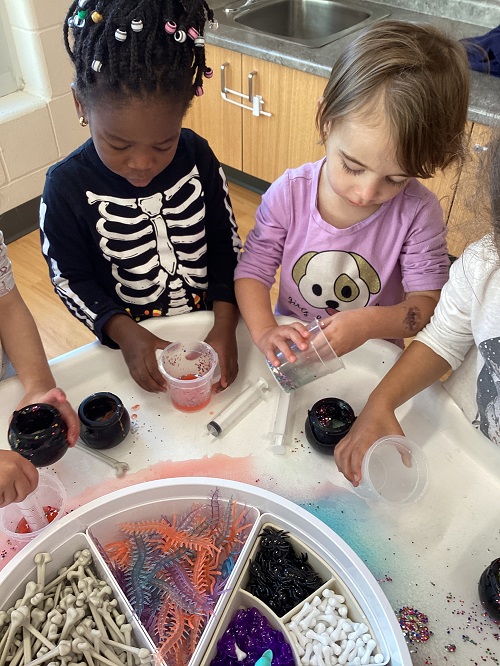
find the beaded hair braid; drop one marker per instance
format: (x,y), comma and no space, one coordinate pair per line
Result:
(134,47)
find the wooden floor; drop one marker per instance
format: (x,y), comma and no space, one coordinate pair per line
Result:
(60,331)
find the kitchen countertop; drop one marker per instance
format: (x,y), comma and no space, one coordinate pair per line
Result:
(475,19)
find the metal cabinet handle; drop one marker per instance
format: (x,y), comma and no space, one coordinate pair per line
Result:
(223,77)
(256,100)
(250,86)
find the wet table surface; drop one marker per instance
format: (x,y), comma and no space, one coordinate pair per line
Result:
(427,556)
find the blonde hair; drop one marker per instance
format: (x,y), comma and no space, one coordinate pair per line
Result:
(420,76)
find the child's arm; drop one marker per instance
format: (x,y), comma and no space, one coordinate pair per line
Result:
(350,329)
(222,338)
(442,345)
(415,370)
(223,249)
(22,344)
(255,307)
(18,478)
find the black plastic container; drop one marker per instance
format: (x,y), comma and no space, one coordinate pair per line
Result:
(104,420)
(489,590)
(328,421)
(39,433)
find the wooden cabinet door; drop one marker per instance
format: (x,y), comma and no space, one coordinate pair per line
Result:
(215,119)
(289,137)
(469,217)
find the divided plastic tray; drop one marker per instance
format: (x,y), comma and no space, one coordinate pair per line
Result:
(235,596)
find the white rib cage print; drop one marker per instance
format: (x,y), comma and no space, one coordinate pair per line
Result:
(155,243)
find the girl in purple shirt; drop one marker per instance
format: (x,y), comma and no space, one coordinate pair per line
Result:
(360,241)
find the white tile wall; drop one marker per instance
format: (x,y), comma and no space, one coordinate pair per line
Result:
(39,125)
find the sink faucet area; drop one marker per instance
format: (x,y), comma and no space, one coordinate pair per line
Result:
(312,23)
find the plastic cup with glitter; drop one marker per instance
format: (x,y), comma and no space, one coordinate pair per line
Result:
(188,368)
(318,360)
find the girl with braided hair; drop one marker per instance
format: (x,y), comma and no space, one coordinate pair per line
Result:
(137,222)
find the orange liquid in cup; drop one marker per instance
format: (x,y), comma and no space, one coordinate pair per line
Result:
(23,527)
(190,408)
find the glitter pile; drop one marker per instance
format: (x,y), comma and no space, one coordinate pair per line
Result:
(413,623)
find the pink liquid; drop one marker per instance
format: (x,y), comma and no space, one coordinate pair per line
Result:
(190,408)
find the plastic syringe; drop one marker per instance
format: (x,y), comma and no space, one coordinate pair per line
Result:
(278,432)
(238,408)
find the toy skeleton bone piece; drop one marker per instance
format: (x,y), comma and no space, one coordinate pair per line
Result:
(50,623)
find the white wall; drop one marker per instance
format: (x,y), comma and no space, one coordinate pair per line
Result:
(38,125)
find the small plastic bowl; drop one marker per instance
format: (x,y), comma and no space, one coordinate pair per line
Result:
(394,470)
(50,492)
(104,420)
(38,432)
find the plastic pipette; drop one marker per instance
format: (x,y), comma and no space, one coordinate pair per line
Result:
(278,432)
(238,408)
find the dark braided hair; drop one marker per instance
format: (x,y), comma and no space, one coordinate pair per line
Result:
(133,48)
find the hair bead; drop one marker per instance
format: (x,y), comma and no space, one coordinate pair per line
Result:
(120,58)
(120,35)
(79,19)
(180,36)
(213,24)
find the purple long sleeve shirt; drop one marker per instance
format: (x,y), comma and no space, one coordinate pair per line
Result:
(399,249)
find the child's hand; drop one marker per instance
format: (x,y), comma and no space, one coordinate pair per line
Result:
(375,421)
(277,338)
(139,352)
(18,477)
(346,330)
(57,398)
(223,340)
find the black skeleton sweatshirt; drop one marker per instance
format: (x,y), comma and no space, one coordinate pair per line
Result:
(161,250)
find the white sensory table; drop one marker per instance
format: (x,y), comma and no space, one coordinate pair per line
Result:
(428,556)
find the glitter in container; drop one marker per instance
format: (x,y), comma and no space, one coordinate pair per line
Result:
(328,421)
(318,360)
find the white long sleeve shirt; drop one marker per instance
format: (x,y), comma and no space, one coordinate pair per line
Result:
(467,315)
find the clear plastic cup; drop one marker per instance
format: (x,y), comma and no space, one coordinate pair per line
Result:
(50,495)
(318,360)
(189,368)
(394,470)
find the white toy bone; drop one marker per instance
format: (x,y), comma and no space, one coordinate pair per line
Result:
(69,621)
(41,561)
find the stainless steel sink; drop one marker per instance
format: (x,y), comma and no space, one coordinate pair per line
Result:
(312,23)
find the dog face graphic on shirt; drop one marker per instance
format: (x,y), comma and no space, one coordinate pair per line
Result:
(334,281)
